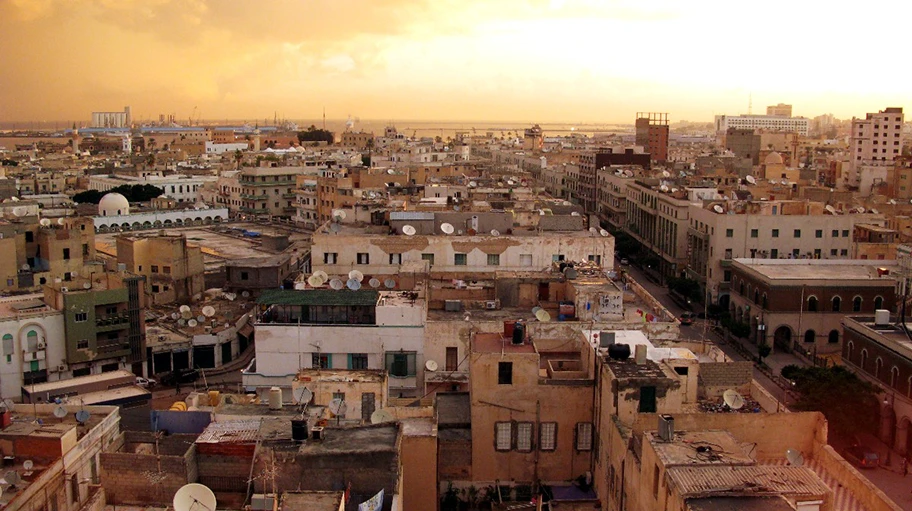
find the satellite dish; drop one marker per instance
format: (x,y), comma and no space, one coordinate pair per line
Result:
(875,211)
(593,230)
(28,464)
(335,228)
(175,315)
(663,188)
(543,316)
(338,407)
(182,322)
(751,179)
(355,275)
(61,221)
(374,283)
(495,232)
(186,314)
(86,285)
(339,214)
(19,211)
(315,281)
(718,209)
(208,311)
(245,294)
(431,366)
(12,477)
(447,228)
(60,412)
(201,319)
(536,309)
(302,395)
(830,209)
(192,323)
(860,209)
(82,416)
(665,173)
(336,284)
(733,399)
(603,232)
(45,222)
(794,457)
(322,274)
(389,283)
(353,284)
(184,308)
(472,184)
(408,230)
(194,497)
(382,415)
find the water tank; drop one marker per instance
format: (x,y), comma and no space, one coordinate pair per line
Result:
(619,351)
(214,398)
(178,406)
(299,430)
(509,325)
(275,398)
(640,354)
(519,333)
(881,317)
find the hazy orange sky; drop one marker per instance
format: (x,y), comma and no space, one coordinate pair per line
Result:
(531,60)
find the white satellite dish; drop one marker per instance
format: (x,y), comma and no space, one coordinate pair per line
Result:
(322,274)
(718,209)
(382,415)
(603,232)
(874,211)
(447,228)
(794,457)
(338,407)
(19,211)
(315,281)
(60,412)
(201,319)
(472,184)
(45,222)
(733,399)
(28,464)
(665,173)
(339,214)
(408,230)
(336,284)
(543,316)
(12,478)
(184,308)
(175,315)
(663,188)
(87,285)
(536,309)
(192,323)
(593,230)
(389,283)
(860,209)
(182,322)
(208,311)
(335,228)
(186,314)
(431,366)
(302,395)
(245,294)
(495,232)
(374,283)
(355,275)
(61,221)
(82,416)
(830,209)
(353,284)
(194,497)
(751,179)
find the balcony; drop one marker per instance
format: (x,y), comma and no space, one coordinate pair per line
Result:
(289,195)
(112,322)
(697,234)
(255,211)
(248,196)
(31,356)
(446,377)
(725,263)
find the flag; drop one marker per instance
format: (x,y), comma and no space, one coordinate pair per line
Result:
(348,492)
(375,503)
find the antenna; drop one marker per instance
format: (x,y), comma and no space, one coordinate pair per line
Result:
(447,228)
(733,399)
(382,415)
(353,284)
(374,283)
(543,316)
(431,366)
(194,497)
(408,230)
(315,281)
(603,232)
(794,457)
(12,478)
(751,179)
(28,465)
(322,274)
(593,230)
(336,284)
(718,209)
(339,215)
(45,222)
(192,323)
(830,209)
(60,412)
(495,232)
(389,283)
(338,407)
(302,395)
(82,416)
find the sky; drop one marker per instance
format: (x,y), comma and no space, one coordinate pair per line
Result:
(578,61)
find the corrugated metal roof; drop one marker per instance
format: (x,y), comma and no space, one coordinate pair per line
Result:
(411,215)
(363,297)
(843,499)
(756,479)
(230,432)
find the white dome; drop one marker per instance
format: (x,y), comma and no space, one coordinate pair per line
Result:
(113,204)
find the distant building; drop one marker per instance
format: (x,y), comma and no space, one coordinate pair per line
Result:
(112,119)
(591,162)
(652,134)
(878,138)
(798,125)
(533,139)
(780,110)
(172,267)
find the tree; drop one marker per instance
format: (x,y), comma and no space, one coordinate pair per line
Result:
(238,156)
(763,349)
(312,134)
(848,402)
(88,197)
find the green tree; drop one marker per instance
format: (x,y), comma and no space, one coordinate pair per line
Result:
(88,197)
(137,193)
(848,402)
(313,134)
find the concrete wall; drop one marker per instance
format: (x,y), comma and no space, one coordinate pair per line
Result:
(418,458)
(864,491)
(716,378)
(140,477)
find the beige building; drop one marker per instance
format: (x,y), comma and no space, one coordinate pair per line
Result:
(172,267)
(364,391)
(877,139)
(360,140)
(781,110)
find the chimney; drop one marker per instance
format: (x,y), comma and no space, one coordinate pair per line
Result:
(640,354)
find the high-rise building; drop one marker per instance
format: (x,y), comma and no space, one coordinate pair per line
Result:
(877,139)
(652,134)
(780,110)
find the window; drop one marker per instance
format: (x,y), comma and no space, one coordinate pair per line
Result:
(584,436)
(878,302)
(357,361)
(837,303)
(85,249)
(74,488)
(845,233)
(844,252)
(797,233)
(774,253)
(460,259)
(395,258)
(556,258)
(29,236)
(818,233)
(856,304)
(835,233)
(503,436)
(755,233)
(728,253)
(878,367)
(596,258)
(505,373)
(647,400)
(166,270)
(401,364)
(66,253)
(154,268)
(547,436)
(245,275)
(330,257)
(321,360)
(833,338)
(810,336)
(834,252)
(894,376)
(812,304)
(81,317)
(339,395)
(8,347)
(452,358)
(729,233)
(363,258)
(775,233)
(429,258)
(493,259)
(655,481)
(726,276)
(525,259)
(524,436)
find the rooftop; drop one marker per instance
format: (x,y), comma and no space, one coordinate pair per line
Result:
(713,447)
(820,269)
(757,480)
(744,503)
(362,439)
(487,342)
(628,368)
(312,501)
(362,297)
(25,305)
(341,375)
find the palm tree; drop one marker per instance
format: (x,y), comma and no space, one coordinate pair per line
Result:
(238,156)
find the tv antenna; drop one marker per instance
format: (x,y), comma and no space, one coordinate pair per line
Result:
(374,283)
(408,230)
(382,415)
(794,457)
(302,395)
(447,228)
(733,399)
(355,275)
(431,366)
(194,497)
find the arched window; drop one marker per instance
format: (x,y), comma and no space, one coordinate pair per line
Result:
(856,304)
(9,348)
(909,387)
(756,296)
(765,301)
(812,304)
(864,360)
(833,338)
(741,288)
(31,339)
(850,350)
(810,336)
(878,366)
(894,376)
(837,303)
(878,302)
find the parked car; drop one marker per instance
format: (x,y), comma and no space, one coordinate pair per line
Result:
(862,456)
(625,261)
(687,318)
(146,382)
(180,376)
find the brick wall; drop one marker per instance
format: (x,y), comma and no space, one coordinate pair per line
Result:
(223,472)
(146,479)
(717,377)
(454,458)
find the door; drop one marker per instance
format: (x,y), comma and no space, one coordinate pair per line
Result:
(367,406)
(226,353)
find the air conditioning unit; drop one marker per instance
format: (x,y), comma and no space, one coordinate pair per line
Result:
(491,305)
(316,433)
(64,289)
(41,345)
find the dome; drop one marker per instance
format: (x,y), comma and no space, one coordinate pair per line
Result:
(113,204)
(773,158)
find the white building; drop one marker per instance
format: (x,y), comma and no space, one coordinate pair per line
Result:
(798,125)
(877,139)
(345,329)
(33,343)
(112,119)
(215,148)
(181,188)
(160,219)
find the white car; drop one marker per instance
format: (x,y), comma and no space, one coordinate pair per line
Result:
(145,382)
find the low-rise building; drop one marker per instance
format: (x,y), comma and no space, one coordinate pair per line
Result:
(173,269)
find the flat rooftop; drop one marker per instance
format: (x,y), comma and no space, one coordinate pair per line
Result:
(340,375)
(628,368)
(713,447)
(13,308)
(495,342)
(820,269)
(312,501)
(358,440)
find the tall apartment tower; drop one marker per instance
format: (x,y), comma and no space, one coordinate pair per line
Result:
(652,134)
(780,110)
(877,139)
